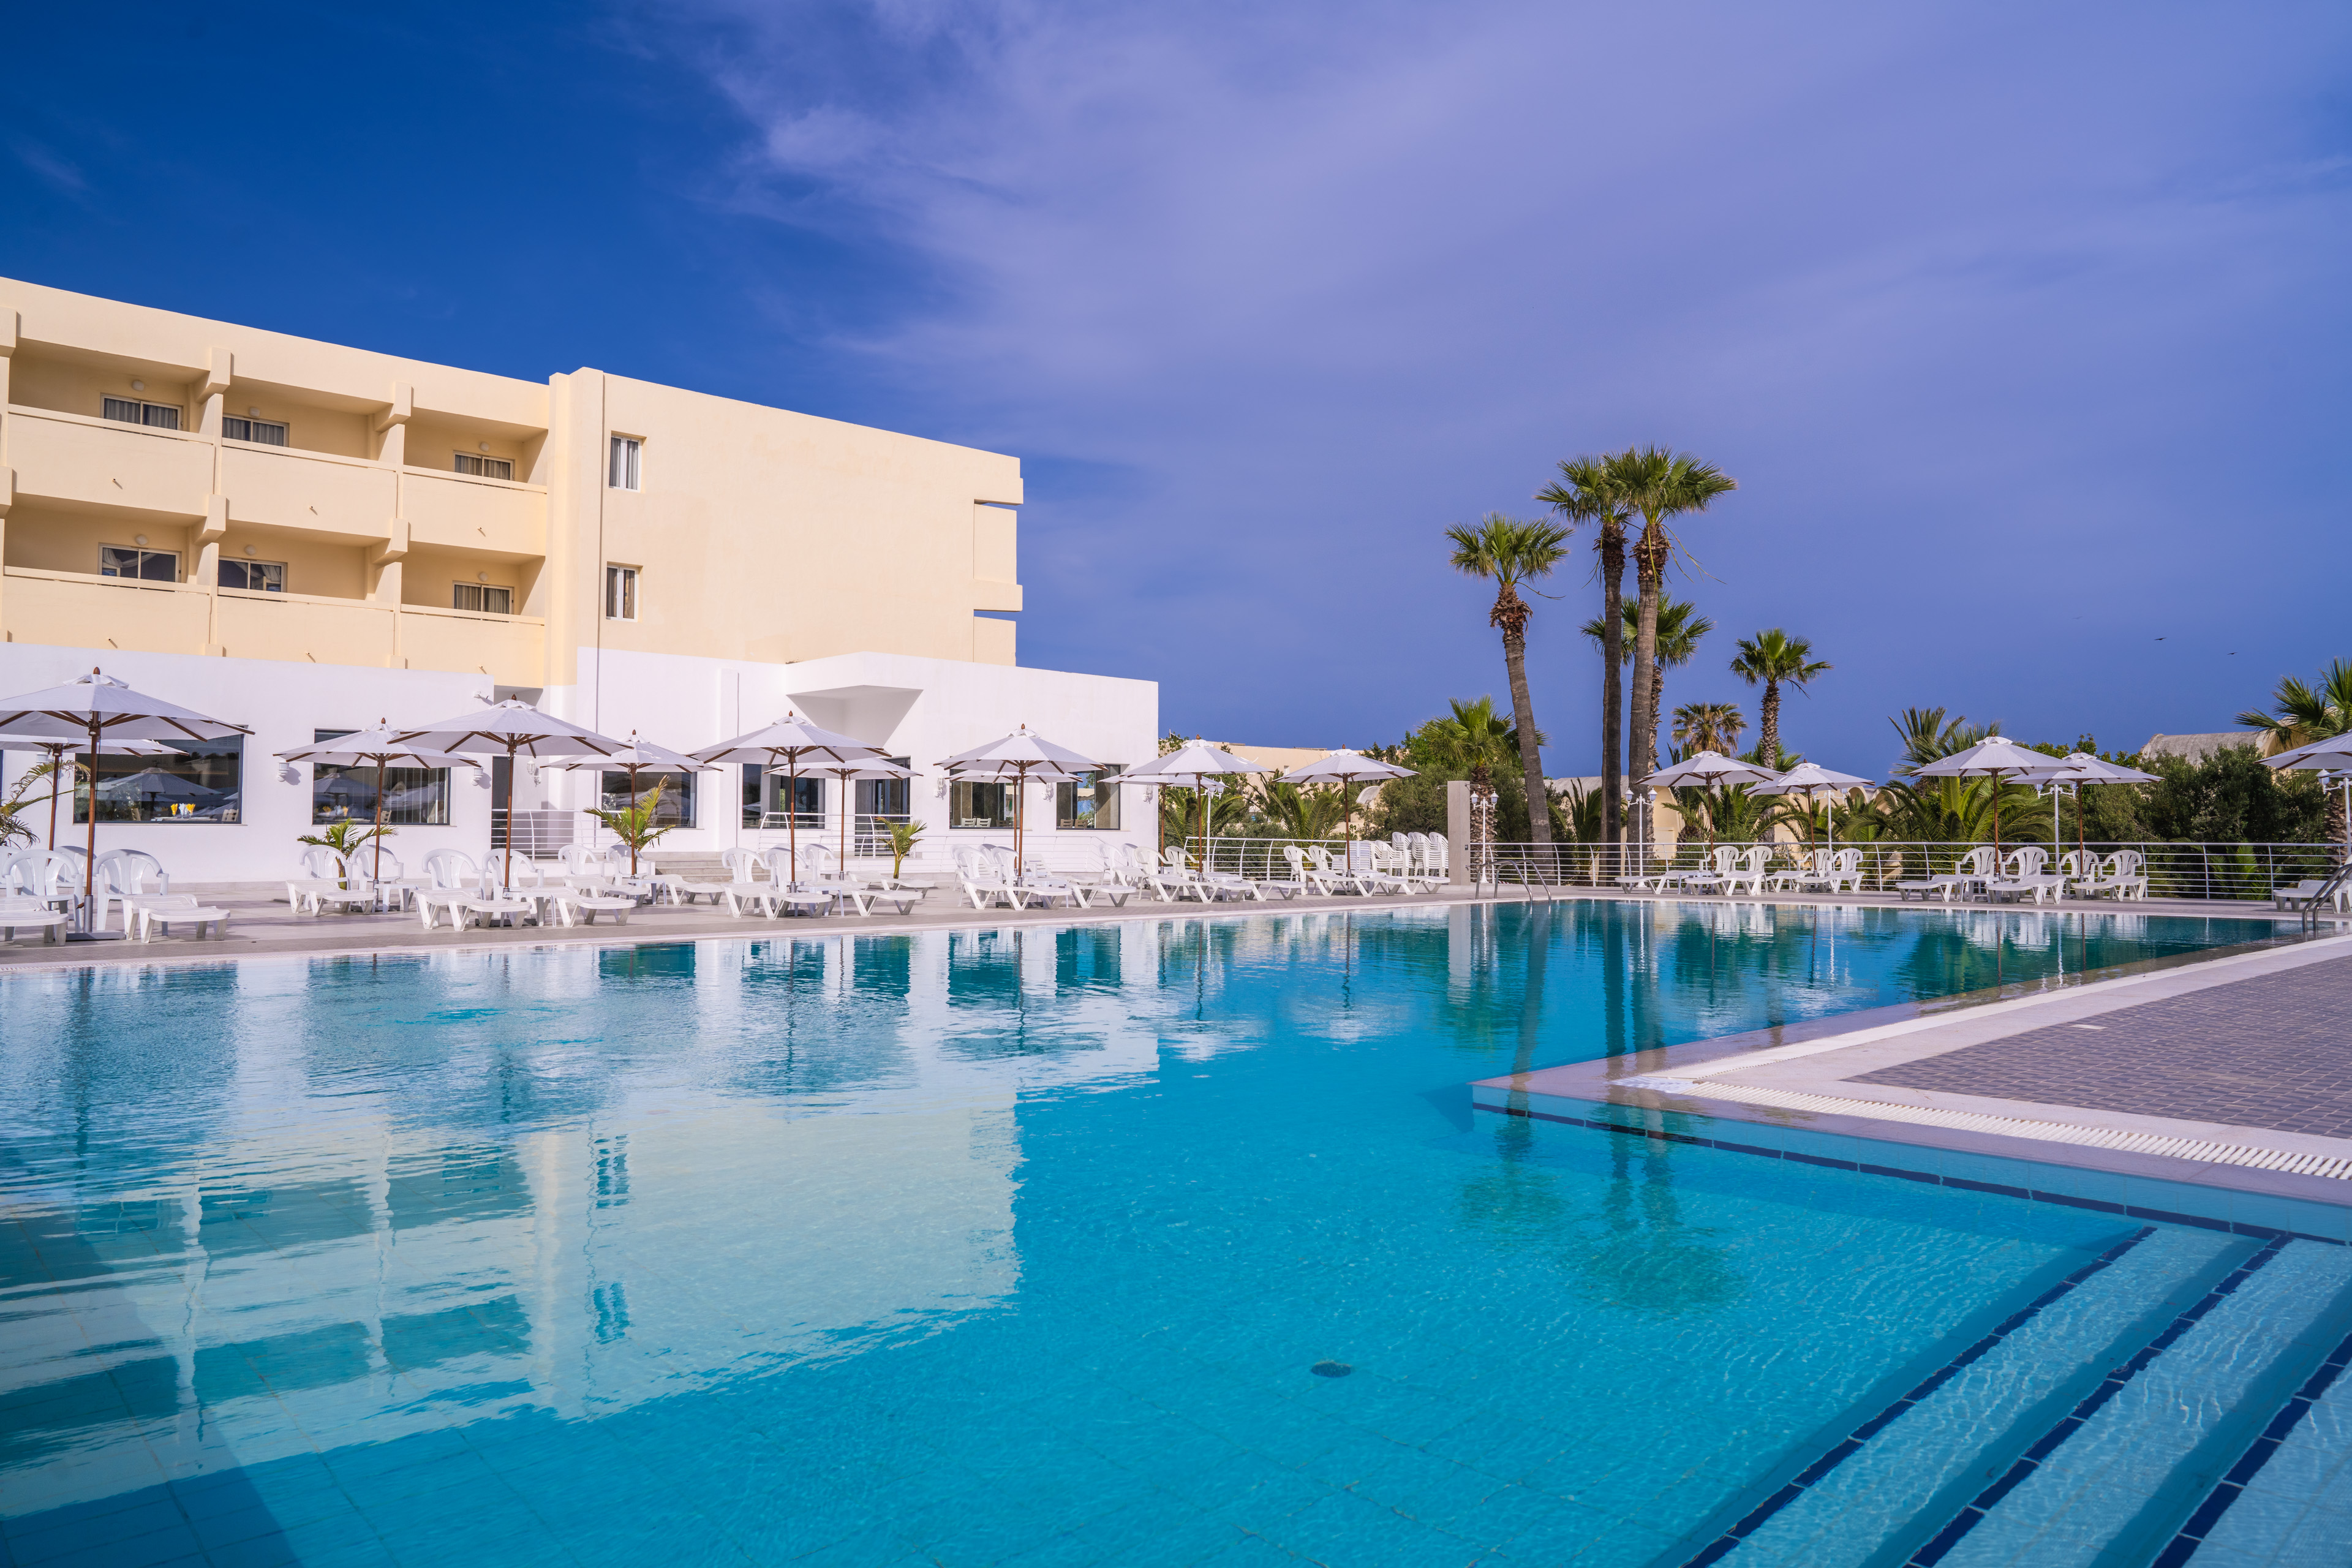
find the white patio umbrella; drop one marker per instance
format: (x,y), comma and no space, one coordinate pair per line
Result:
(379,748)
(1996,757)
(1708,770)
(637,755)
(1344,767)
(786,743)
(1808,779)
(2077,769)
(56,752)
(2331,752)
(512,730)
(1024,758)
(1193,767)
(100,708)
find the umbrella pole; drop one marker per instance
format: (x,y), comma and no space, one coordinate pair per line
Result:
(378,877)
(506,866)
(89,857)
(1019,812)
(56,755)
(841,809)
(793,816)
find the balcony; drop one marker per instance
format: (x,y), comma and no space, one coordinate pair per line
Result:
(82,462)
(511,648)
(306,627)
(284,487)
(64,609)
(460,512)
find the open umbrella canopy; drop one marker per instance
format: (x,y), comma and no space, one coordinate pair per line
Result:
(1996,756)
(510,729)
(97,707)
(2082,767)
(1706,770)
(1022,752)
(790,739)
(639,754)
(1344,766)
(2331,752)
(382,747)
(1195,766)
(1807,777)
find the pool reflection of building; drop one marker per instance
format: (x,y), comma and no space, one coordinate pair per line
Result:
(442,1272)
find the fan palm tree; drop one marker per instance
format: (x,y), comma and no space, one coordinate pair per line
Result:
(1472,740)
(1585,493)
(1659,486)
(1312,812)
(1708,727)
(1680,627)
(1774,660)
(1510,551)
(2301,714)
(1927,737)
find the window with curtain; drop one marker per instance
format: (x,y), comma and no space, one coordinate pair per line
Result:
(485,467)
(254,576)
(131,411)
(268,432)
(627,453)
(149,566)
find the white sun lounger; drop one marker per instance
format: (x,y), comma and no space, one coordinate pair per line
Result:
(19,913)
(144,914)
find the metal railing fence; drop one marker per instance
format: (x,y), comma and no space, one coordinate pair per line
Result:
(2219,872)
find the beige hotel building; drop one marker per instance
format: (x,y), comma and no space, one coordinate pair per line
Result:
(306,538)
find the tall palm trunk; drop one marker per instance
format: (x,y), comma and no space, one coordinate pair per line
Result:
(1523,714)
(1612,689)
(1650,569)
(1768,726)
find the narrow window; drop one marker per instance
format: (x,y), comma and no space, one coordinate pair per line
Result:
(149,566)
(487,467)
(625,462)
(131,411)
(262,430)
(490,601)
(620,593)
(254,576)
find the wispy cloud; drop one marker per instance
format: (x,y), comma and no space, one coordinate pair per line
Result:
(59,172)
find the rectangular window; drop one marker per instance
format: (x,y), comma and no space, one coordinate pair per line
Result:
(807,804)
(884,797)
(150,565)
(487,467)
(1091,802)
(625,462)
(262,430)
(976,804)
(154,415)
(254,576)
(490,601)
(620,593)
(195,781)
(413,797)
(676,807)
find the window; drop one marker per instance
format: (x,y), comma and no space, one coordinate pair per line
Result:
(764,797)
(487,600)
(150,565)
(676,807)
(254,576)
(1091,802)
(487,467)
(625,462)
(413,797)
(261,430)
(195,781)
(154,415)
(620,593)
(884,797)
(973,805)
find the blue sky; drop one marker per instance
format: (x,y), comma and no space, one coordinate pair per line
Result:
(2024,329)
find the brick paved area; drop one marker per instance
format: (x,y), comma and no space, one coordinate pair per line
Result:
(2274,1051)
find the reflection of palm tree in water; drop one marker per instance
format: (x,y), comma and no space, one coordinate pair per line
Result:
(1649,1260)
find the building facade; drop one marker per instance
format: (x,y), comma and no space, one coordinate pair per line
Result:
(306,538)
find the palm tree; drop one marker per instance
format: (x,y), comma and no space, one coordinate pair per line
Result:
(1510,551)
(1472,739)
(1587,493)
(1928,738)
(1661,486)
(2305,713)
(1775,660)
(1310,813)
(1680,627)
(1708,727)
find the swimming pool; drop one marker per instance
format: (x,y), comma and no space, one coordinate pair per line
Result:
(964,1247)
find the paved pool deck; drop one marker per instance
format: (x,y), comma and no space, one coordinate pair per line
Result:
(2229,1071)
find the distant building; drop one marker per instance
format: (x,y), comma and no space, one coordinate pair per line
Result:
(2197,748)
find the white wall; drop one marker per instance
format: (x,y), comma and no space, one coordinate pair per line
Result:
(922,708)
(284,705)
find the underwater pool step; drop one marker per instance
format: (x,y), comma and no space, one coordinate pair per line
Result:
(2288,1499)
(2115,1478)
(1904,1470)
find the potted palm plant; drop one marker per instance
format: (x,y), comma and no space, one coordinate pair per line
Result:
(902,843)
(346,837)
(633,825)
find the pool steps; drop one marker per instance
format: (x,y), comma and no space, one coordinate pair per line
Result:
(2124,1416)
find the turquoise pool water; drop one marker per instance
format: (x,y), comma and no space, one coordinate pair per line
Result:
(962,1248)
